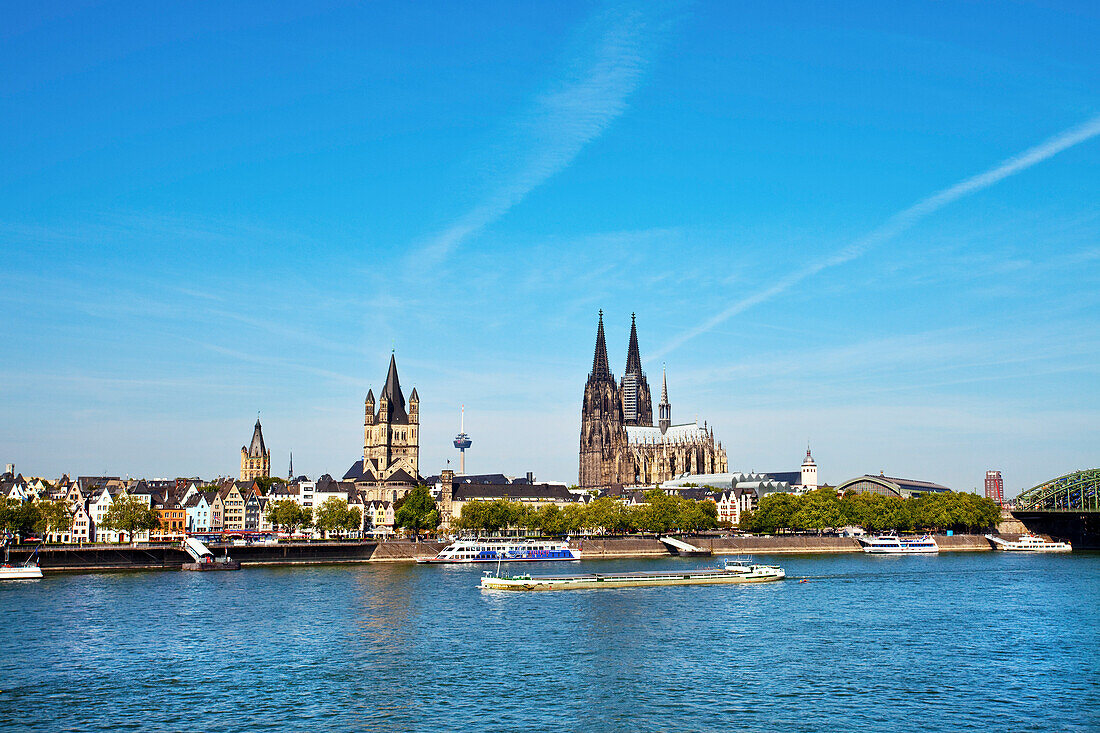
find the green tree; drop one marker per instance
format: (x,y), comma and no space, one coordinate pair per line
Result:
(53,516)
(418,511)
(353,520)
(288,515)
(267,482)
(776,511)
(130,515)
(819,509)
(17,516)
(332,515)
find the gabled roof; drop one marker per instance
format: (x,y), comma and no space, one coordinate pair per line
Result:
(401,476)
(355,472)
(195,500)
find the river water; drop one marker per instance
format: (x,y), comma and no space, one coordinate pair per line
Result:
(962,641)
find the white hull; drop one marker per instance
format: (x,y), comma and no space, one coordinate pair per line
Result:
(893,545)
(1030,543)
(899,551)
(20,573)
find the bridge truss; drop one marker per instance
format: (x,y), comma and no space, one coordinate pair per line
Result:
(1074,492)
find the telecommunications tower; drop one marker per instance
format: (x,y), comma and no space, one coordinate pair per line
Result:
(462,442)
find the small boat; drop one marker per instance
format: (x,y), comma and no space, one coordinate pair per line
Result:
(482,550)
(890,544)
(29,570)
(1031,543)
(732,573)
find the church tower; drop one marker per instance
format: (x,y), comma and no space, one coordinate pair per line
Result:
(809,471)
(664,409)
(256,458)
(391,436)
(637,404)
(602,431)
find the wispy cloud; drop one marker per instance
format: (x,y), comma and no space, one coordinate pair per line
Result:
(573,112)
(897,224)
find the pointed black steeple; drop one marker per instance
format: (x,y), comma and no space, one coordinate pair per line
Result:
(637,406)
(257,449)
(392,393)
(600,369)
(633,357)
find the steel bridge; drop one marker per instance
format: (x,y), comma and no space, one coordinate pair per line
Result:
(1074,493)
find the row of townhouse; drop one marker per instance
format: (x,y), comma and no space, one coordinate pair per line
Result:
(188,505)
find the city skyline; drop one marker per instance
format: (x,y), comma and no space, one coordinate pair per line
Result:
(871,230)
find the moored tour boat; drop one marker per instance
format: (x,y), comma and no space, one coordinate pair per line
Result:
(29,570)
(482,550)
(1031,543)
(893,545)
(732,573)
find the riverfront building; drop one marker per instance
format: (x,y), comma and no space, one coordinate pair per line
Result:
(620,445)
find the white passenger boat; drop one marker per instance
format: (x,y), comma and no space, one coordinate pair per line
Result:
(1031,543)
(890,544)
(732,573)
(29,570)
(20,572)
(482,550)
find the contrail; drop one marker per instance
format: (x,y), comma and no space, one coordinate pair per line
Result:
(576,110)
(898,223)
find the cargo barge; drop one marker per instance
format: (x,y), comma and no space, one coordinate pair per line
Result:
(734,572)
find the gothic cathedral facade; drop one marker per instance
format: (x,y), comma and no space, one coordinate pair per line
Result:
(620,445)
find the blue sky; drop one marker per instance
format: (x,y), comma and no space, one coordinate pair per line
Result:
(873,226)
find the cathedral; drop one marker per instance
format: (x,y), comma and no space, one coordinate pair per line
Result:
(391,441)
(620,445)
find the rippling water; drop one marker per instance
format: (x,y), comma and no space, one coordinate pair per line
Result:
(957,642)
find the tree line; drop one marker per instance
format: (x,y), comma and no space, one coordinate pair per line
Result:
(822,509)
(333,515)
(660,514)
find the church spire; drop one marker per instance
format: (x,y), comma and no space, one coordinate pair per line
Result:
(392,393)
(664,410)
(257,449)
(633,357)
(600,369)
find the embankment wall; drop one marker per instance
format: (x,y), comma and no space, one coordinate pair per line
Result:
(170,557)
(399,551)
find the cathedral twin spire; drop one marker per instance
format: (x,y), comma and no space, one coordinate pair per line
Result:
(633,390)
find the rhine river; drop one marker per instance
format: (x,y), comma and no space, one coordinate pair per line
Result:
(962,641)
